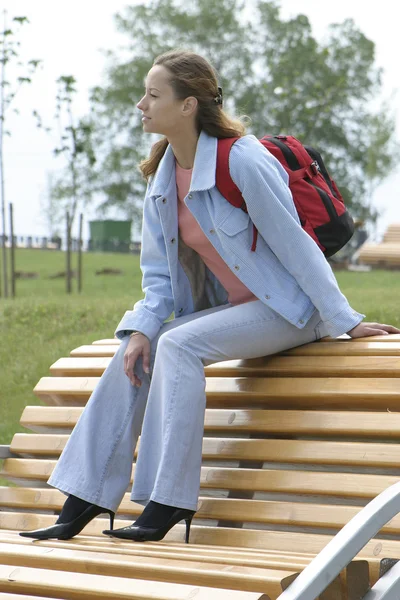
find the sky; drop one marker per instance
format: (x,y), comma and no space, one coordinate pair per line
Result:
(69,38)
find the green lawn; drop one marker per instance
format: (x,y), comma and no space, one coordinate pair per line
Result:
(43,324)
(47,263)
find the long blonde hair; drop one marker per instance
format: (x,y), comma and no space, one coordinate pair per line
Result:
(193,75)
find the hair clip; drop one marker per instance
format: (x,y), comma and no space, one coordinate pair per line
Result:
(218,98)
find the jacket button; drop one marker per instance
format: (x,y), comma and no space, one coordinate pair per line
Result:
(164,200)
(173,241)
(237,267)
(301,321)
(180,310)
(268,297)
(190,196)
(212,230)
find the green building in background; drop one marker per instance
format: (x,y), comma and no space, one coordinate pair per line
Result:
(110,236)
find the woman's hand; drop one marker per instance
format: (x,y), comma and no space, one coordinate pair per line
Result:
(368,329)
(138,345)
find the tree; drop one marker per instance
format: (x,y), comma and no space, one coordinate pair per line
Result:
(72,188)
(153,28)
(74,185)
(273,70)
(9,52)
(324,93)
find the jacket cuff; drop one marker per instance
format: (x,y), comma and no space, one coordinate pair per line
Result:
(138,320)
(343,322)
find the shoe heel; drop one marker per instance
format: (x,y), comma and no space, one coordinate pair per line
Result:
(111,515)
(188,522)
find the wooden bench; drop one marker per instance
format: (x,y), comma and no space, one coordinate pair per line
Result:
(294,446)
(384,255)
(392,234)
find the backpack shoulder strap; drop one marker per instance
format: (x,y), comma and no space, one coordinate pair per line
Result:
(224,183)
(223,179)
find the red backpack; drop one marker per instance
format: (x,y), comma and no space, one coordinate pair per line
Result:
(318,202)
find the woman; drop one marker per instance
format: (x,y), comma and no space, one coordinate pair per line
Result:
(228,303)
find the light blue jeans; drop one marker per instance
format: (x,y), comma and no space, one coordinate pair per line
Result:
(168,409)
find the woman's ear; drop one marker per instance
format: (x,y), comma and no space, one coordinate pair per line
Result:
(190,106)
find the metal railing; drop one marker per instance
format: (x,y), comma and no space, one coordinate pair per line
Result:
(346,544)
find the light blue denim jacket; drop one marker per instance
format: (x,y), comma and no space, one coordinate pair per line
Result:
(288,272)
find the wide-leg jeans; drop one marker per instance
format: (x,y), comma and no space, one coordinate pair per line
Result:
(167,410)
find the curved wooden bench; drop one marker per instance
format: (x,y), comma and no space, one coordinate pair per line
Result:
(392,234)
(294,445)
(383,255)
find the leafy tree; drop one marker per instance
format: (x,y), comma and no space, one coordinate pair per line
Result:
(323,95)
(154,28)
(273,70)
(8,90)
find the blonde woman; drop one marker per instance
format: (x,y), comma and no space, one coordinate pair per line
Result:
(228,303)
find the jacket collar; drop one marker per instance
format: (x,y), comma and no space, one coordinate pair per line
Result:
(205,161)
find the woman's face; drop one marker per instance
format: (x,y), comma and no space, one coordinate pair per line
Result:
(162,112)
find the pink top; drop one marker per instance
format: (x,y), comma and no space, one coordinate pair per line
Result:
(194,237)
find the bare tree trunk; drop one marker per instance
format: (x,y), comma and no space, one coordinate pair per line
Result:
(3,205)
(68,272)
(12,251)
(72,166)
(80,253)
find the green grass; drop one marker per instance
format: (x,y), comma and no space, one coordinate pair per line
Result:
(48,263)
(43,323)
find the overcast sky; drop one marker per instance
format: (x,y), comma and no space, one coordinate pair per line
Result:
(69,36)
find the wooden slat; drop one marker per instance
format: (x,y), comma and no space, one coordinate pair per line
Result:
(391,338)
(222,537)
(29,469)
(391,249)
(72,367)
(335,392)
(60,419)
(9,596)
(107,341)
(348,348)
(251,579)
(302,366)
(343,346)
(292,514)
(392,237)
(344,485)
(95,350)
(316,452)
(270,366)
(57,419)
(58,584)
(394,337)
(202,553)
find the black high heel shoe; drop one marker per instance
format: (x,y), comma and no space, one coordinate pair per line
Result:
(65,531)
(143,533)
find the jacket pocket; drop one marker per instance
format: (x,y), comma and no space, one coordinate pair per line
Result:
(235,222)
